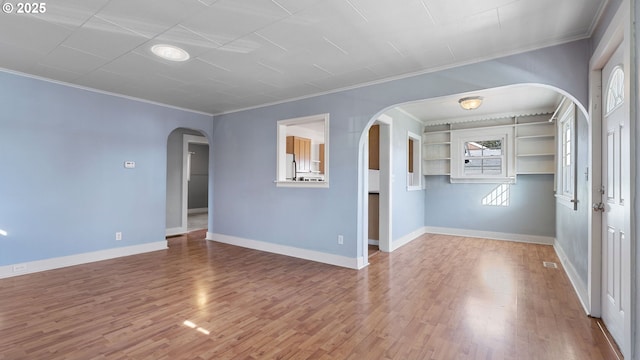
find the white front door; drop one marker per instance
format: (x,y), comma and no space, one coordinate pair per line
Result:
(616,204)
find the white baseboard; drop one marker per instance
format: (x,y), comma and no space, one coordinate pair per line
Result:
(404,240)
(175,231)
(332,259)
(533,239)
(198,211)
(374,242)
(579,287)
(71,260)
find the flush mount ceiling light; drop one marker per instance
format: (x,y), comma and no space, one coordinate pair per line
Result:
(471,102)
(170,52)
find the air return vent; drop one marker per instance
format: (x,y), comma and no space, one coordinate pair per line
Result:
(549,264)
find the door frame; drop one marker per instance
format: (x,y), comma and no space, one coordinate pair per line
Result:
(186,140)
(386,215)
(386,179)
(618,32)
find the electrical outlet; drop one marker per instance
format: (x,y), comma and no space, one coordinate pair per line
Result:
(19,267)
(118,235)
(340,240)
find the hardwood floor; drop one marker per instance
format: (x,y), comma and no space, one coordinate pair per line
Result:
(439,297)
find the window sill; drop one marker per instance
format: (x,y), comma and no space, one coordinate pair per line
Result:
(500,180)
(303,184)
(567,201)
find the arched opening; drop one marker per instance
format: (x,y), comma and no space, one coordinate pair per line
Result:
(535,164)
(187,181)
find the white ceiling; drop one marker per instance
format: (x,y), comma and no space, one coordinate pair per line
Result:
(508,101)
(246,53)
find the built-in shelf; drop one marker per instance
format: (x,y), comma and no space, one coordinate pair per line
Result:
(535,137)
(439,143)
(535,155)
(535,144)
(436,152)
(535,148)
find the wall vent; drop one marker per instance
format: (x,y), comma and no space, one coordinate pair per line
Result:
(549,264)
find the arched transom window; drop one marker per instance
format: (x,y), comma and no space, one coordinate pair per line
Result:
(615,90)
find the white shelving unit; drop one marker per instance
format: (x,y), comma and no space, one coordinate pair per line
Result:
(436,152)
(535,146)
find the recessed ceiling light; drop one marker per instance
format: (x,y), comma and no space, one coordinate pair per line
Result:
(170,52)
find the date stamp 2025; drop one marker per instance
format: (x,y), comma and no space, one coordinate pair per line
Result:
(24,8)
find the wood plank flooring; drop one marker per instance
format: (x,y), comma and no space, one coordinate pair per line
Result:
(439,297)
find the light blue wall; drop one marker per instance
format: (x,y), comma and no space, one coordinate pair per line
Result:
(64,190)
(573,225)
(244,145)
(531,210)
(63,187)
(408,206)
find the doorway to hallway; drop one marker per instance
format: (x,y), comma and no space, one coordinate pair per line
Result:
(187,182)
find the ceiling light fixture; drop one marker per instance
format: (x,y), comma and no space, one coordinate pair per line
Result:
(471,102)
(170,52)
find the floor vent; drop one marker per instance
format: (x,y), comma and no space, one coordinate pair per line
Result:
(549,264)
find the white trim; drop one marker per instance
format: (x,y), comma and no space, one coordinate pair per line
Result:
(417,162)
(532,239)
(568,116)
(102,92)
(302,184)
(578,285)
(385,191)
(71,260)
(619,32)
(374,242)
(332,259)
(175,231)
(186,140)
(503,132)
(386,180)
(281,143)
(404,240)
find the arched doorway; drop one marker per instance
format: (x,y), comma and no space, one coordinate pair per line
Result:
(570,223)
(187,181)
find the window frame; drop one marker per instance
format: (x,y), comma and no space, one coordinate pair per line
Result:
(460,137)
(417,161)
(281,144)
(566,183)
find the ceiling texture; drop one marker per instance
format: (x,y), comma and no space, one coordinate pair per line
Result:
(247,53)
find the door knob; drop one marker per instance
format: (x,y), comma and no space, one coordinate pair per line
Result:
(598,207)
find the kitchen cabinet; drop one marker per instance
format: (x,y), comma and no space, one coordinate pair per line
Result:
(374,216)
(301,148)
(374,147)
